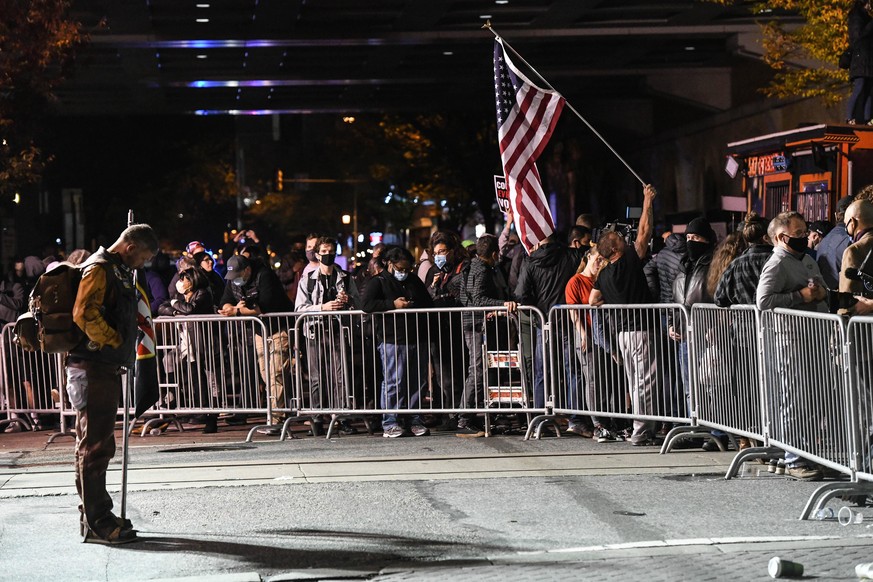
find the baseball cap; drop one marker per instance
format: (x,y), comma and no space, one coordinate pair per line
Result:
(195,246)
(235,266)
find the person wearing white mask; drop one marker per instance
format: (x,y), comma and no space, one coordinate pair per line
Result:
(401,338)
(443,282)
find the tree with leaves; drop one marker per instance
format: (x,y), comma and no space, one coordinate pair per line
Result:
(37,41)
(821,38)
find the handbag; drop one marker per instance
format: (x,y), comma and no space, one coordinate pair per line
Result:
(845,60)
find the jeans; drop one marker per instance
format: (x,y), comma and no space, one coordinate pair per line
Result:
(474,385)
(572,364)
(539,379)
(859,106)
(604,389)
(686,382)
(405,371)
(686,375)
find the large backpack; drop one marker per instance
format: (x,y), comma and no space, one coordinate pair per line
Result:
(48,324)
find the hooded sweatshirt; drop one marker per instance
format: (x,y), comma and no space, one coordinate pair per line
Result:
(545,274)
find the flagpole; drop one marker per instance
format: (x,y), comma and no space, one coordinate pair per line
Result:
(128,384)
(568,104)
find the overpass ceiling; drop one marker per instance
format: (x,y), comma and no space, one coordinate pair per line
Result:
(348,56)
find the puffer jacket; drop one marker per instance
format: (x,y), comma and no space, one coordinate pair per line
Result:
(544,276)
(669,260)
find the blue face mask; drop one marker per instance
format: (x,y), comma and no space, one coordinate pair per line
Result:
(400,276)
(439,261)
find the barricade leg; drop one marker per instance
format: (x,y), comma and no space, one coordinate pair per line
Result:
(828,491)
(750,454)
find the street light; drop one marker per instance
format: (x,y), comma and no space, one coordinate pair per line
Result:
(347,219)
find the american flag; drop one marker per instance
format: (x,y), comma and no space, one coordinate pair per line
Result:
(526,117)
(145,390)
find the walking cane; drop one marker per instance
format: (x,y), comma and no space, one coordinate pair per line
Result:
(128,384)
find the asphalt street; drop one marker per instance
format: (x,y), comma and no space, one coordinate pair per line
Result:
(213,507)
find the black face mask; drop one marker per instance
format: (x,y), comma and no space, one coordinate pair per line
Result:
(697,249)
(310,256)
(798,245)
(327,260)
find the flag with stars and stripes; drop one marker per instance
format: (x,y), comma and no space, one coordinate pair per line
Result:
(526,117)
(145,388)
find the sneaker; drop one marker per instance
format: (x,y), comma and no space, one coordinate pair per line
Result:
(644,442)
(346,428)
(642,439)
(601,435)
(448,424)
(772,465)
(804,473)
(419,430)
(710,446)
(623,435)
(270,430)
(780,468)
(581,430)
(392,432)
(469,431)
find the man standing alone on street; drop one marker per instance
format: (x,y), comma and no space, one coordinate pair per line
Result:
(105,310)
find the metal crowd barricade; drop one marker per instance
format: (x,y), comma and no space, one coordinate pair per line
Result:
(32,385)
(210,365)
(617,364)
(860,374)
(416,362)
(807,387)
(726,367)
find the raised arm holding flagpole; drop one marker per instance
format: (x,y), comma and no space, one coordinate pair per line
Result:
(526,118)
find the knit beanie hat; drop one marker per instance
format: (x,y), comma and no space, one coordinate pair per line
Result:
(700,226)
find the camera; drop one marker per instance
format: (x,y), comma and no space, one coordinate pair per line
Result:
(865,278)
(839,300)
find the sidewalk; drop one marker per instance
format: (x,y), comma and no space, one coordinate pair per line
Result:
(434,508)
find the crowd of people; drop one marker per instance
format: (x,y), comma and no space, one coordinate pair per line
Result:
(783,262)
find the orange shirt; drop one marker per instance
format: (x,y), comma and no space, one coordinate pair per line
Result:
(578,290)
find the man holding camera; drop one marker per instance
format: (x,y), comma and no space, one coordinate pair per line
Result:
(855,265)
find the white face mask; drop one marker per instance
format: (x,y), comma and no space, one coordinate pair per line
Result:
(239,282)
(400,276)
